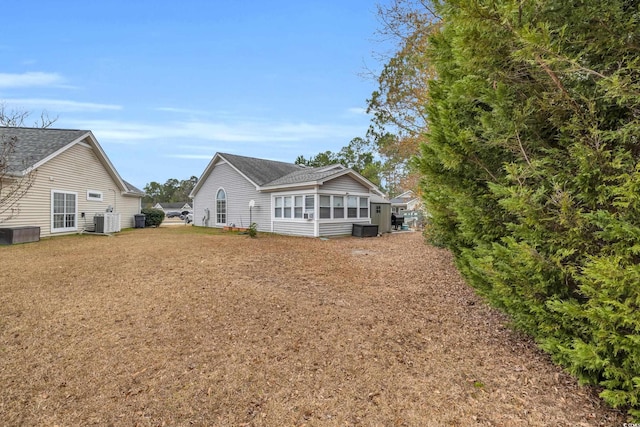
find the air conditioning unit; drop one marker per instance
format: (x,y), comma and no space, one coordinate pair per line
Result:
(106,223)
(308,215)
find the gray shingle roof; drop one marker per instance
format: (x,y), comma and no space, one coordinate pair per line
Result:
(133,189)
(260,171)
(305,175)
(34,144)
(273,174)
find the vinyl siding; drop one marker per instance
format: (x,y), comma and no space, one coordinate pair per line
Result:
(239,191)
(296,228)
(344,184)
(76,170)
(339,228)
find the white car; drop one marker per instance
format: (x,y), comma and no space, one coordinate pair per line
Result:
(187,216)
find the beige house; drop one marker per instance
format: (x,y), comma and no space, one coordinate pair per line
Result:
(73,185)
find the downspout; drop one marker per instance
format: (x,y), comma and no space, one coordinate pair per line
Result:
(115,201)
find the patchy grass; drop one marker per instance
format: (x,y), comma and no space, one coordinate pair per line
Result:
(190,326)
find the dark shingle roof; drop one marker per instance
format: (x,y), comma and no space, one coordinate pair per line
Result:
(260,171)
(33,144)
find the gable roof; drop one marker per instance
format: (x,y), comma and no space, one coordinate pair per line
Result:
(173,205)
(260,171)
(403,198)
(33,147)
(270,174)
(133,189)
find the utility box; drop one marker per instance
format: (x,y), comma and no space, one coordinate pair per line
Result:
(364,230)
(11,235)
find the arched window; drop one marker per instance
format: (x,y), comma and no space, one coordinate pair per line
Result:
(221,207)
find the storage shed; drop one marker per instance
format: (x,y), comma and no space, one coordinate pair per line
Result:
(381,213)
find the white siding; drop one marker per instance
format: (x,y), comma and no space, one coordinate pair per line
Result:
(75,170)
(239,192)
(339,228)
(344,184)
(296,228)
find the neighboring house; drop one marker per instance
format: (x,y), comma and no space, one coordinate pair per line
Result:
(281,197)
(406,201)
(177,207)
(73,181)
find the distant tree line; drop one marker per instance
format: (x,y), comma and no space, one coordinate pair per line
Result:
(171,191)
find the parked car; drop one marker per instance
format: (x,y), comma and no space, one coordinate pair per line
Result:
(187,216)
(173,214)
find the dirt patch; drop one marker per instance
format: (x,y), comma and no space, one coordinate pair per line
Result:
(186,326)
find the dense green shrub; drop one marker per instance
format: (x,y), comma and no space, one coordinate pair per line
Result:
(153,217)
(531,173)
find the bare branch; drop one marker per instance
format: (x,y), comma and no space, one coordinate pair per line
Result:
(14,184)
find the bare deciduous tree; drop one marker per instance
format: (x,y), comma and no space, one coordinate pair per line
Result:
(15,177)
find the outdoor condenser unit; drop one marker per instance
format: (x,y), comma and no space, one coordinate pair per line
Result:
(106,223)
(98,223)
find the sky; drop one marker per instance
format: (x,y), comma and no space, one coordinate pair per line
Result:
(165,85)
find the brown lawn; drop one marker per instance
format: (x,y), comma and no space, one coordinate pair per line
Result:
(185,326)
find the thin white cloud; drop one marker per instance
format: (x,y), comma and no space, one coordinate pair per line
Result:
(180,110)
(357,111)
(190,156)
(259,132)
(59,105)
(29,79)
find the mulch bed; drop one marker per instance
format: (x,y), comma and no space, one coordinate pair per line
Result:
(189,326)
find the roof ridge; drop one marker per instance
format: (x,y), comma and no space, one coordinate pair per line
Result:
(45,128)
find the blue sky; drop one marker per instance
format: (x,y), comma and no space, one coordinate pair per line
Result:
(165,85)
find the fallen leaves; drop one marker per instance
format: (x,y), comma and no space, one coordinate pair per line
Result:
(261,332)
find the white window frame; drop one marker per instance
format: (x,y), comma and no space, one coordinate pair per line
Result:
(92,198)
(278,205)
(365,207)
(325,208)
(334,207)
(295,206)
(64,229)
(298,206)
(226,204)
(360,204)
(309,208)
(288,207)
(284,206)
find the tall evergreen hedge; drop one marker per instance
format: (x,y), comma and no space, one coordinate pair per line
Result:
(531,173)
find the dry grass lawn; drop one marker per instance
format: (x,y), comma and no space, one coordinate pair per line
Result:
(184,326)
